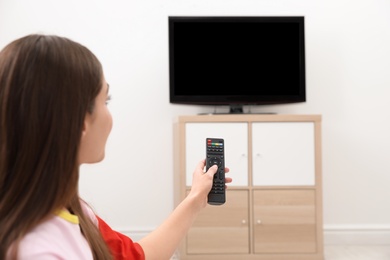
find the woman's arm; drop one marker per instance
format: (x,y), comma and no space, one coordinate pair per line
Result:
(161,243)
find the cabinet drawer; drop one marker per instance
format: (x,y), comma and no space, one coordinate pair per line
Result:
(222,229)
(284,221)
(283,153)
(236,148)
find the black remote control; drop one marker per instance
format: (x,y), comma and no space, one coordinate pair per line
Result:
(215,154)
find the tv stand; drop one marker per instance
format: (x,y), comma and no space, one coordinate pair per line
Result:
(274,205)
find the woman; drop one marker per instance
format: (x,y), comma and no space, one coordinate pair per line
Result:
(53,118)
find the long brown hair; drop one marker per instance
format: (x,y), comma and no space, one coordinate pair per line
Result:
(47,86)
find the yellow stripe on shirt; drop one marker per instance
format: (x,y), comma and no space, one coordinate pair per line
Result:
(64,214)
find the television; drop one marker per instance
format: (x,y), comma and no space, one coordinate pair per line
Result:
(236,60)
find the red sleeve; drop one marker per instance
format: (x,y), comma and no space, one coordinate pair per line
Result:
(121,246)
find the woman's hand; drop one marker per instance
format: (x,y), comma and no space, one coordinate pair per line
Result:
(203,181)
(162,242)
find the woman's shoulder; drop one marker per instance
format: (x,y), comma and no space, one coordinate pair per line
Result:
(59,237)
(89,212)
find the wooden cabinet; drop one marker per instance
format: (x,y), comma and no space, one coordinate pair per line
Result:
(274,205)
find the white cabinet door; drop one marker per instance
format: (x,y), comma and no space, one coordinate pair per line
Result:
(236,148)
(283,153)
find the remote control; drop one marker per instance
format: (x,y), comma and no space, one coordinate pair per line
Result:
(215,148)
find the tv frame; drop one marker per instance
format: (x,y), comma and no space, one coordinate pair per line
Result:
(236,102)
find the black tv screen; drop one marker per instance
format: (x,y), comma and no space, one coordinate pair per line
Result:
(236,61)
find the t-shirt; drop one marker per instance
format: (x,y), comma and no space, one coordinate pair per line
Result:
(122,247)
(60,237)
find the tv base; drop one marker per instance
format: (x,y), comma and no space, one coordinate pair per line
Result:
(236,109)
(249,113)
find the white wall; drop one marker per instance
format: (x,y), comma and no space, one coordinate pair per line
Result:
(348,82)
